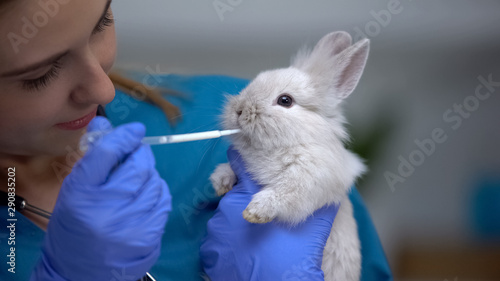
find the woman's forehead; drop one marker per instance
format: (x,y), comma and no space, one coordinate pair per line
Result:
(34,30)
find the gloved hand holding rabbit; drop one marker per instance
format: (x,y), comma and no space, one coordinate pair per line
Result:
(292,143)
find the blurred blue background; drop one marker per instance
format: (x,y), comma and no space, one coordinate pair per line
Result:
(422,113)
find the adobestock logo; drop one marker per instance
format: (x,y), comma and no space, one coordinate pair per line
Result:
(381,19)
(454,116)
(31,26)
(222,7)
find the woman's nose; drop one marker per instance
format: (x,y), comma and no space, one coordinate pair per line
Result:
(94,85)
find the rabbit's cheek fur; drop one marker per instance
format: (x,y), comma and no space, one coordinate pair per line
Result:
(231,113)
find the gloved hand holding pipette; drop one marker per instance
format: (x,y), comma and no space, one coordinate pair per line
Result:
(110,214)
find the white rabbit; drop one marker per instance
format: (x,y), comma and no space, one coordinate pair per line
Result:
(292,140)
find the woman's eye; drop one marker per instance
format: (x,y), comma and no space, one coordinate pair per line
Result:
(42,82)
(285,100)
(106,21)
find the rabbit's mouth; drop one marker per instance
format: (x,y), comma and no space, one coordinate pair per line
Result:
(246,122)
(248,125)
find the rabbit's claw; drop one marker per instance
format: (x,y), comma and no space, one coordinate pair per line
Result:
(223,179)
(260,210)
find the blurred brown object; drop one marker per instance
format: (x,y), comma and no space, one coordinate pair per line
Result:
(467,262)
(149,94)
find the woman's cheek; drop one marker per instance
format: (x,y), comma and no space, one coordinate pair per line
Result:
(25,109)
(27,120)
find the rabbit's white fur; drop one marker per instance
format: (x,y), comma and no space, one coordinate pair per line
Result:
(297,153)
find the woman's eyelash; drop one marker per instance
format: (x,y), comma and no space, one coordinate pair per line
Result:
(106,21)
(39,83)
(42,82)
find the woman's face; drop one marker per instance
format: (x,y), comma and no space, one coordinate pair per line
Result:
(54,59)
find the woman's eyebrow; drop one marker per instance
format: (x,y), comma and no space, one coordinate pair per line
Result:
(106,8)
(33,67)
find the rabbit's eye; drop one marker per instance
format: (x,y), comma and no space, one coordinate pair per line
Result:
(285,100)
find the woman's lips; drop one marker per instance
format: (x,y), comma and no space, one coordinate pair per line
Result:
(78,123)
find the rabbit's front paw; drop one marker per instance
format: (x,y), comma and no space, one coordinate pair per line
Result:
(223,179)
(260,210)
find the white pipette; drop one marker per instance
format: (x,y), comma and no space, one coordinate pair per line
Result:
(92,137)
(189,137)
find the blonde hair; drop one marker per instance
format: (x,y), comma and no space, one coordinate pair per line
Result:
(4,5)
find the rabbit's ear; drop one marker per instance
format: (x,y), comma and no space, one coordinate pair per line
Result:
(329,46)
(333,43)
(349,65)
(334,64)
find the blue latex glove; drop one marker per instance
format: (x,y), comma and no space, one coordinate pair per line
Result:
(110,214)
(235,249)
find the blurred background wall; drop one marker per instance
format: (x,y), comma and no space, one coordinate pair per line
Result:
(430,130)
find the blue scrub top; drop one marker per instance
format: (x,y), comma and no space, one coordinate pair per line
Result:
(186,168)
